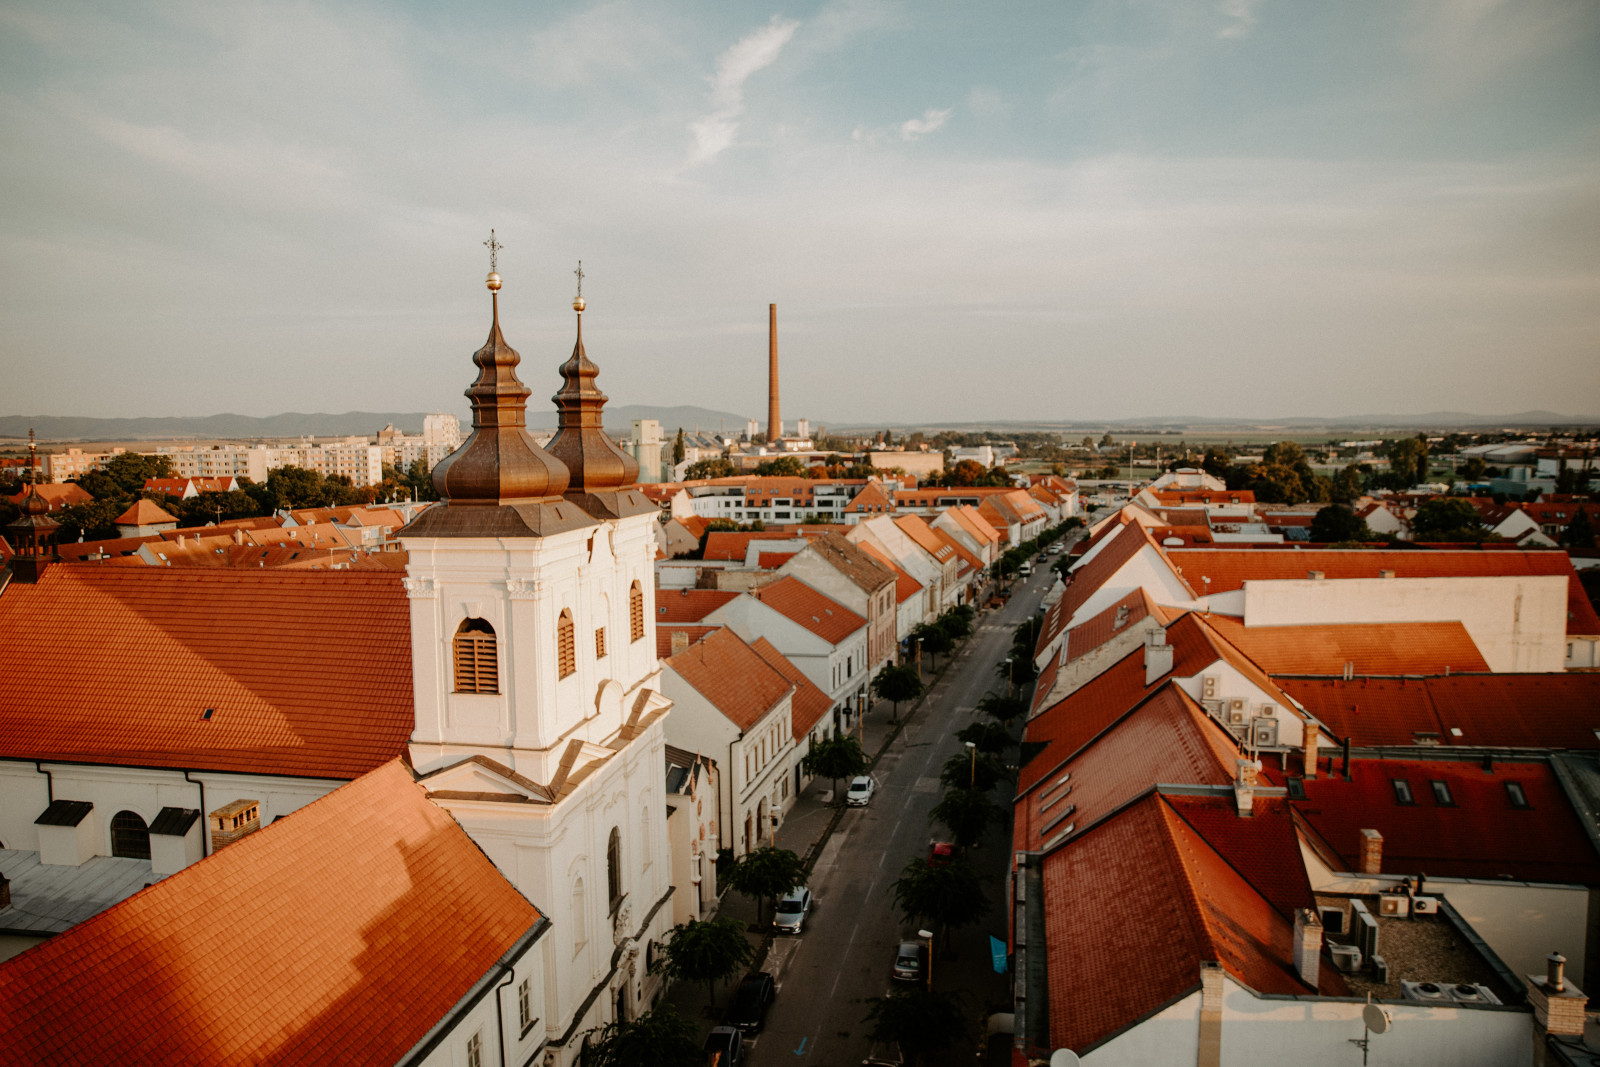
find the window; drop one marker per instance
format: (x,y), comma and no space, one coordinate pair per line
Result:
(130,837)
(525,1004)
(614,868)
(566,651)
(1516,795)
(475,1050)
(600,643)
(1297,788)
(1402,791)
(477,661)
(635,613)
(1441,793)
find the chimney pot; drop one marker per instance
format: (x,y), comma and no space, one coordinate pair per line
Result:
(1315,576)
(1308,946)
(1555,972)
(680,641)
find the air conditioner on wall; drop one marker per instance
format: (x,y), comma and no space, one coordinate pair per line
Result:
(1237,710)
(1208,686)
(1425,905)
(1394,905)
(1264,733)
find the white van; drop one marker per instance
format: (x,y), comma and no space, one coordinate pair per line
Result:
(1027,569)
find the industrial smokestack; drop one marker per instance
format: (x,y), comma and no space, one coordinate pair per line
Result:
(774,424)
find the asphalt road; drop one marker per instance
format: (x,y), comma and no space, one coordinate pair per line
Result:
(827,974)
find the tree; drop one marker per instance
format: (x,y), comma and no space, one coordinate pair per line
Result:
(932,639)
(216,507)
(715,467)
(765,874)
(1408,459)
(948,896)
(988,736)
(1108,441)
(972,770)
(919,1020)
(125,475)
(706,952)
(835,758)
(895,683)
(661,1035)
(782,466)
(1002,707)
(1346,485)
(1447,519)
(1580,531)
(1474,469)
(956,622)
(678,451)
(967,813)
(93,520)
(1338,522)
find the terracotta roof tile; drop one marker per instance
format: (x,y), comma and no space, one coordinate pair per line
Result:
(1264,849)
(57,494)
(734,544)
(339,934)
(905,586)
(923,536)
(689,605)
(115,665)
(1123,544)
(1096,631)
(1190,497)
(850,560)
(810,703)
(664,632)
(771,561)
(1373,648)
(798,602)
(732,676)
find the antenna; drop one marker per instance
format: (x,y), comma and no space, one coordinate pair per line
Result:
(1375,1019)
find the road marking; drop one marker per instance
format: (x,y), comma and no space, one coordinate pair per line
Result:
(801,1051)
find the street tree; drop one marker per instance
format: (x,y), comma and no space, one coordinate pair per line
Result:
(1447,519)
(947,896)
(708,952)
(1338,522)
(1002,707)
(976,770)
(1580,531)
(919,1020)
(988,736)
(678,450)
(932,639)
(715,467)
(897,682)
(661,1035)
(967,813)
(835,758)
(765,874)
(957,622)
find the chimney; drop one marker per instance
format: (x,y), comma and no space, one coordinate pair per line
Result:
(1558,1005)
(1309,763)
(1315,576)
(1307,946)
(180,540)
(774,424)
(232,821)
(680,641)
(1371,852)
(238,536)
(1555,969)
(1157,657)
(1244,786)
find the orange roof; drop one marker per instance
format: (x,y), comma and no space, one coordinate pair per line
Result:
(1179,497)
(1086,579)
(968,518)
(771,561)
(664,632)
(117,665)
(1094,632)
(732,676)
(57,494)
(905,586)
(920,532)
(1147,886)
(341,933)
(144,513)
(872,498)
(733,544)
(847,557)
(798,602)
(694,524)
(810,703)
(1373,648)
(969,562)
(689,605)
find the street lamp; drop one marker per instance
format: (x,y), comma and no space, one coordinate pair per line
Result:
(927,935)
(972,783)
(1009,661)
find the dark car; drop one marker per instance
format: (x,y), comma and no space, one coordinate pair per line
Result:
(724,1047)
(908,962)
(751,1000)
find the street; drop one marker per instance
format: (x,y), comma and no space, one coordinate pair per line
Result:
(827,974)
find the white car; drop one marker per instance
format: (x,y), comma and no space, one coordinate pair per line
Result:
(790,915)
(860,791)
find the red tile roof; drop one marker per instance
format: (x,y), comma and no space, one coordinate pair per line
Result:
(974,523)
(922,534)
(969,562)
(798,602)
(1096,631)
(810,703)
(1373,648)
(1146,886)
(689,605)
(1265,848)
(117,664)
(771,561)
(341,933)
(1124,543)
(1480,835)
(1491,710)
(732,677)
(734,544)
(57,494)
(144,513)
(905,586)
(1182,497)
(664,632)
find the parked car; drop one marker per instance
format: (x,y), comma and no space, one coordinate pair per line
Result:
(884,1054)
(860,792)
(1026,570)
(724,1047)
(751,1000)
(791,913)
(908,962)
(940,853)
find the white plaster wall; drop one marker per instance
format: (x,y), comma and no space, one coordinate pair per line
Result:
(498,1008)
(1518,622)
(24,794)
(1171,1036)
(1232,684)
(1522,921)
(696,725)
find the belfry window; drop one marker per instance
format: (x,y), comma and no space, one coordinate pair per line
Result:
(635,613)
(477,660)
(566,647)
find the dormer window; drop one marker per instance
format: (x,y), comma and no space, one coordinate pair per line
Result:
(566,645)
(477,659)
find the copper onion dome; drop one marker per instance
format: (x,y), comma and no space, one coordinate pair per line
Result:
(596,463)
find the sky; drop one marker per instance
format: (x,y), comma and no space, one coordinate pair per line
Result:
(1073,209)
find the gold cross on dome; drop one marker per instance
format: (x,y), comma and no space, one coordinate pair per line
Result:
(494,248)
(579,273)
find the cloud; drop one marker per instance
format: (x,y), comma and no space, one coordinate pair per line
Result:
(1243,14)
(750,54)
(931,120)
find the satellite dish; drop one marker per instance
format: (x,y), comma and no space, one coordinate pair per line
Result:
(1377,1019)
(1064,1057)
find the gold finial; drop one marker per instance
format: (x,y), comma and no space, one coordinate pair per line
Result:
(578,303)
(494,247)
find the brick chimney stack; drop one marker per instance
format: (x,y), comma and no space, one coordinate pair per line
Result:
(774,424)
(1308,946)
(680,642)
(1371,852)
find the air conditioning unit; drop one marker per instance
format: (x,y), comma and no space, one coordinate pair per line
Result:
(1237,710)
(1472,994)
(1213,708)
(1424,905)
(1394,905)
(1346,957)
(1268,710)
(1208,686)
(1264,733)
(1426,993)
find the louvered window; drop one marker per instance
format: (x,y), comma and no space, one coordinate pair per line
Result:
(600,643)
(635,613)
(566,650)
(477,660)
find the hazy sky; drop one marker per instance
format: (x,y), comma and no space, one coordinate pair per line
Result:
(1064,209)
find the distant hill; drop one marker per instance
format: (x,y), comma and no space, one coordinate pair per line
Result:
(1433,420)
(298,424)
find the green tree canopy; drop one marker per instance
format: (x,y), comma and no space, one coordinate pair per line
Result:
(1347,484)
(765,874)
(948,896)
(125,475)
(977,770)
(918,1020)
(967,813)
(1447,519)
(1002,707)
(93,520)
(932,639)
(707,952)
(1580,531)
(678,449)
(897,682)
(1338,522)
(715,467)
(661,1035)
(789,466)
(988,736)
(835,758)
(1408,460)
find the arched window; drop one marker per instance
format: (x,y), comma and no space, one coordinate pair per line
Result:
(477,661)
(566,647)
(635,612)
(614,868)
(130,837)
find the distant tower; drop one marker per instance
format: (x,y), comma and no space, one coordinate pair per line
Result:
(774,424)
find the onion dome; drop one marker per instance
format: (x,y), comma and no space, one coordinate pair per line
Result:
(596,463)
